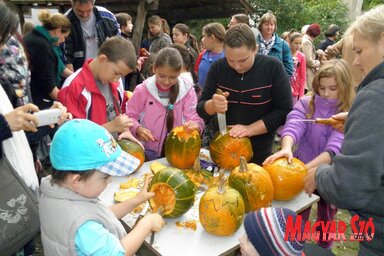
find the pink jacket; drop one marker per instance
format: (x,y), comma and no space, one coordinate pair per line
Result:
(298,79)
(146,109)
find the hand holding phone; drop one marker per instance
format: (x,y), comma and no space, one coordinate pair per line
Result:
(48,116)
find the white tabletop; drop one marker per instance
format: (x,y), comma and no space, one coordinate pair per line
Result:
(172,240)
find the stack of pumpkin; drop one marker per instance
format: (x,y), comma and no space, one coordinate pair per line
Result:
(223,205)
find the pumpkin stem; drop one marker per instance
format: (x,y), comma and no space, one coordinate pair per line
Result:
(222,180)
(196,165)
(243,165)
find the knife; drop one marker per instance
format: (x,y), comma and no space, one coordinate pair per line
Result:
(327,121)
(142,214)
(160,211)
(221,119)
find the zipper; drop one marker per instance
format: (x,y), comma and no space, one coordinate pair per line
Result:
(242,77)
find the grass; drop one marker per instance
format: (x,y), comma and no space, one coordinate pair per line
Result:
(341,248)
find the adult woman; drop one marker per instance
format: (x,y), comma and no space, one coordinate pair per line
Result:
(308,49)
(46,64)
(355,179)
(182,35)
(14,149)
(271,44)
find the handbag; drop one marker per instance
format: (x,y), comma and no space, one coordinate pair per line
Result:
(19,214)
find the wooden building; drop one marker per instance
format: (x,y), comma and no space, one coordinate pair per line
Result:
(171,10)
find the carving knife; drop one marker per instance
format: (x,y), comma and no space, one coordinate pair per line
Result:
(221,118)
(327,121)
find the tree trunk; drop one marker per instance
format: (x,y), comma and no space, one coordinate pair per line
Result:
(354,8)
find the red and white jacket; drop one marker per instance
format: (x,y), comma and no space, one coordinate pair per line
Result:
(84,100)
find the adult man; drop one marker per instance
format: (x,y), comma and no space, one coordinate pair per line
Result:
(257,91)
(91,26)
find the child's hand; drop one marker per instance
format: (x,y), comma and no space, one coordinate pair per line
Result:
(220,102)
(144,134)
(121,123)
(282,153)
(144,195)
(240,131)
(128,135)
(154,221)
(191,125)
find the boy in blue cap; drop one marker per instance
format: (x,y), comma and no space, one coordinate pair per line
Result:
(84,156)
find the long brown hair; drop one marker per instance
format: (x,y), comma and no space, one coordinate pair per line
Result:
(170,57)
(341,71)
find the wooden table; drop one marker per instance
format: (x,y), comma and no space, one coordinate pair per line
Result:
(172,240)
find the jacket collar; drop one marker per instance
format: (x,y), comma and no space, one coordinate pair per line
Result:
(89,79)
(376,73)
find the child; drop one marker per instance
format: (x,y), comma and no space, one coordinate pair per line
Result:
(163,102)
(158,33)
(96,92)
(84,155)
(298,79)
(126,26)
(316,143)
(264,233)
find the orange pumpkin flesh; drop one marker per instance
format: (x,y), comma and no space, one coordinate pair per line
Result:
(226,151)
(288,179)
(133,149)
(254,184)
(182,147)
(199,176)
(221,210)
(164,197)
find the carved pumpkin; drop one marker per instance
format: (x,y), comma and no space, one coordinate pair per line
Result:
(221,210)
(173,190)
(134,149)
(288,179)
(182,147)
(198,175)
(226,151)
(254,184)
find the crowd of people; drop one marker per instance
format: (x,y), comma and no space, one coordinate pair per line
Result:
(83,62)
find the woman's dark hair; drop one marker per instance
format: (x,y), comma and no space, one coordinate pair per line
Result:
(59,176)
(187,59)
(241,18)
(192,41)
(8,22)
(171,57)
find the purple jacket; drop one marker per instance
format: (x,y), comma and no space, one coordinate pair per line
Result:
(146,109)
(313,139)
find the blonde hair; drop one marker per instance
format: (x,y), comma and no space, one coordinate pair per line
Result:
(341,71)
(267,17)
(370,25)
(54,21)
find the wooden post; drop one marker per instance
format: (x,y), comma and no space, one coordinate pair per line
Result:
(139,25)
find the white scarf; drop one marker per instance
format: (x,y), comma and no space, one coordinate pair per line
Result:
(17,150)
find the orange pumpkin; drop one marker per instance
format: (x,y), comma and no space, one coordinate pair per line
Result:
(134,149)
(288,179)
(254,184)
(221,210)
(226,151)
(182,147)
(199,176)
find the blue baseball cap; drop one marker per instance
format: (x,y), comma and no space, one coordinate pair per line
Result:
(82,145)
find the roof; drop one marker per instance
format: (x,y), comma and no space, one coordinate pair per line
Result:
(171,10)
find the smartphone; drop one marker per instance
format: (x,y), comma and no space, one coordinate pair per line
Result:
(48,116)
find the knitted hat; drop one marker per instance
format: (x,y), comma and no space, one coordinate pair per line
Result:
(265,229)
(314,30)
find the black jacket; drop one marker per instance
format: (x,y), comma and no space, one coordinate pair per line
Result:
(262,93)
(106,26)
